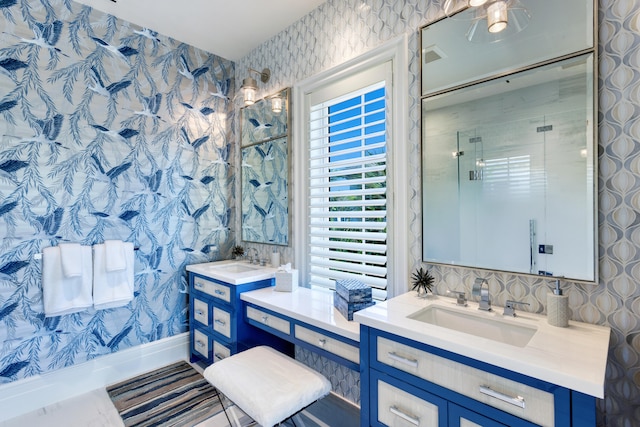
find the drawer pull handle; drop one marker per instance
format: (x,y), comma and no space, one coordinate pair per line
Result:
(515,401)
(199,312)
(322,342)
(199,344)
(411,418)
(264,319)
(219,292)
(411,362)
(220,322)
(219,356)
(199,285)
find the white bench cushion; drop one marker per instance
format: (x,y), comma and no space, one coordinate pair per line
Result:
(266,384)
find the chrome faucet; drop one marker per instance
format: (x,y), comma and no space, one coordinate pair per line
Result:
(481,289)
(461,298)
(253,260)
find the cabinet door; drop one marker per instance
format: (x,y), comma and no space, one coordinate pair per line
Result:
(463,417)
(397,404)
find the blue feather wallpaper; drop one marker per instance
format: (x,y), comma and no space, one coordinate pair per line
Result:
(107,131)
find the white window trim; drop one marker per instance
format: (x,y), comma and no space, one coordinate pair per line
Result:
(395,51)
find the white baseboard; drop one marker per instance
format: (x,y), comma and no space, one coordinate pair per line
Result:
(20,397)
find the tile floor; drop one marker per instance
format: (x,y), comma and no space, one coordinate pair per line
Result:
(94,409)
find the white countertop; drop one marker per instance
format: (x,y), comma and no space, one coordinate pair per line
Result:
(314,307)
(216,270)
(573,357)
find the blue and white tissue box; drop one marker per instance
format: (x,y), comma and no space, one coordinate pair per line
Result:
(348,308)
(352,290)
(286,280)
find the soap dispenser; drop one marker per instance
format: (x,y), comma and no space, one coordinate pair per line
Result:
(558,307)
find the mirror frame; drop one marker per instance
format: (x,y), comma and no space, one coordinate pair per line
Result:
(593,49)
(250,143)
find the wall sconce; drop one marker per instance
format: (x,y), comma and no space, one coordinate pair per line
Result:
(250,86)
(276,103)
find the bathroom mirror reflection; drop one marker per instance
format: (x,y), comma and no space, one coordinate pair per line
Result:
(265,170)
(508,173)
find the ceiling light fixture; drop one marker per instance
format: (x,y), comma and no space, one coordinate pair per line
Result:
(491,20)
(250,86)
(497,19)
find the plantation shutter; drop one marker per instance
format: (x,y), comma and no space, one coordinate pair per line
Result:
(348,183)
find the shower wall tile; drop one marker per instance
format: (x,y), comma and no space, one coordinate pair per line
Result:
(340,30)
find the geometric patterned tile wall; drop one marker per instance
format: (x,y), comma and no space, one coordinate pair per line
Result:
(343,29)
(108,131)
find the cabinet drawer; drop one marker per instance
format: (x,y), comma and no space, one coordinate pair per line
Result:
(214,289)
(201,311)
(329,344)
(220,351)
(201,343)
(222,322)
(397,408)
(510,396)
(269,320)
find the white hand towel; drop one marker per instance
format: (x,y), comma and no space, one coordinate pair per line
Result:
(112,288)
(115,255)
(71,259)
(65,295)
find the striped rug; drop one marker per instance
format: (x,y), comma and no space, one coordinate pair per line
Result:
(176,395)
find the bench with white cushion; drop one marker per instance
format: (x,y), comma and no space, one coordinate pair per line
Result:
(267,385)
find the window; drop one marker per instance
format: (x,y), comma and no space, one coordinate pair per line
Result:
(350,186)
(347,189)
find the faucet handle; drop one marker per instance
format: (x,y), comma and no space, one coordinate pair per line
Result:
(509,307)
(461,297)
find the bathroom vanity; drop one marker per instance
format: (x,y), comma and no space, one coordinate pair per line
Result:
(308,319)
(429,362)
(217,328)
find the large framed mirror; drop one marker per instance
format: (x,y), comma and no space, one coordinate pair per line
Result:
(508,159)
(265,170)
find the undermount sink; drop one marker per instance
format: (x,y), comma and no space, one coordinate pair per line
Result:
(478,324)
(234,272)
(235,267)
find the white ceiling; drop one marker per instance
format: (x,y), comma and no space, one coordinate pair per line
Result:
(227,28)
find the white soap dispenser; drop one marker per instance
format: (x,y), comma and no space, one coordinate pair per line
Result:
(275,259)
(557,307)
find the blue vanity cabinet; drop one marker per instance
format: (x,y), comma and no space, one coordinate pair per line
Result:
(216,324)
(405,382)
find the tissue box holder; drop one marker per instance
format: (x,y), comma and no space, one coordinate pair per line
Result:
(286,281)
(353,290)
(348,308)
